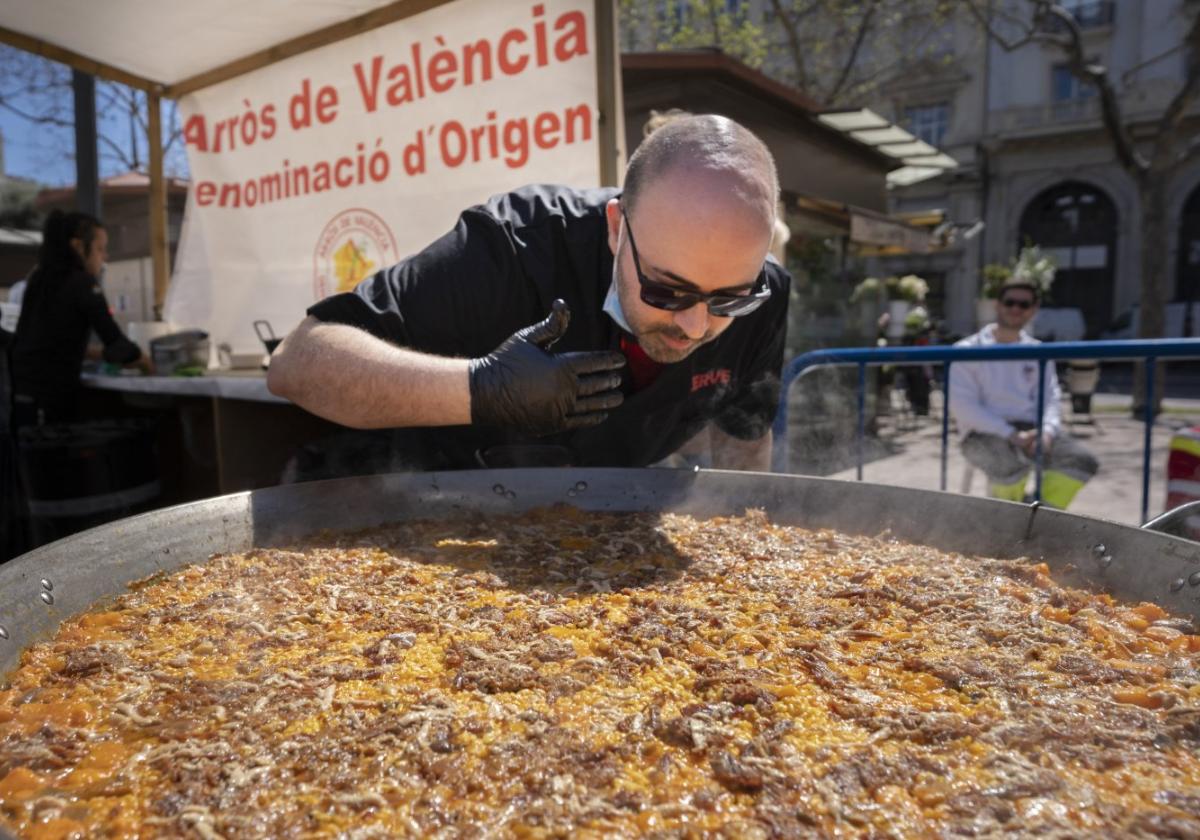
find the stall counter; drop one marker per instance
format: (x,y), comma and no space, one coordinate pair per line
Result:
(221,433)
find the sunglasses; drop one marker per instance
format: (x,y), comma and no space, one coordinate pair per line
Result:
(1019,304)
(674,299)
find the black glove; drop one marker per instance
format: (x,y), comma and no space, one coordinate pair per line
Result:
(520,385)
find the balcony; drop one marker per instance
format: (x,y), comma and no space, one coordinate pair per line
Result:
(1049,117)
(1145,102)
(1093,14)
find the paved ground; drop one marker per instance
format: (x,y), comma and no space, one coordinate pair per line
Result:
(910,457)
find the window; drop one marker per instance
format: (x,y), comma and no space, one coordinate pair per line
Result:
(1091,14)
(1065,87)
(928,122)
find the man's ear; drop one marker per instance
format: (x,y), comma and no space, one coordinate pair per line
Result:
(612,215)
(77,246)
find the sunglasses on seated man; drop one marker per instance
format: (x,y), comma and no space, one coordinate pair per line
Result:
(1019,303)
(675,299)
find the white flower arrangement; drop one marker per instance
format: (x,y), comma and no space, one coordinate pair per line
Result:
(1035,268)
(912,288)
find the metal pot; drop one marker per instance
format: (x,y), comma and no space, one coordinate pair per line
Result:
(40,589)
(177,350)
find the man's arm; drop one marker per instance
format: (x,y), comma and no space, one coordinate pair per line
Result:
(731,453)
(349,376)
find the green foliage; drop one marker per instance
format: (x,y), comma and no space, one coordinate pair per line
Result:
(917,321)
(994,275)
(871,289)
(17,204)
(693,24)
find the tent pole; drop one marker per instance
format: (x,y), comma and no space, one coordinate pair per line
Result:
(157,202)
(611,125)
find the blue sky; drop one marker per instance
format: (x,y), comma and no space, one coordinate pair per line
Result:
(27,155)
(46,152)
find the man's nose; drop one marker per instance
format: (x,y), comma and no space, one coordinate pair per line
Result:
(693,320)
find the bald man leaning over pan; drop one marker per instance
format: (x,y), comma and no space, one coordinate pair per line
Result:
(560,326)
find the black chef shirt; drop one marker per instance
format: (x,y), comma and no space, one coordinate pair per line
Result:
(499,269)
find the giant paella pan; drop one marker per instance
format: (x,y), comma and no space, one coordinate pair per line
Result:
(547,653)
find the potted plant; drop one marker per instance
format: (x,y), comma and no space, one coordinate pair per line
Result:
(869,290)
(910,288)
(903,294)
(994,275)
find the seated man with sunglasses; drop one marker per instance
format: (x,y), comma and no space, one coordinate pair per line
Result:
(540,331)
(995,407)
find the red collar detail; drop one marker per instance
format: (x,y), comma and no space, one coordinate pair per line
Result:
(642,368)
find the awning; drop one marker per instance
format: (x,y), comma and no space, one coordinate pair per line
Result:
(921,160)
(869,228)
(890,234)
(171,48)
(176,45)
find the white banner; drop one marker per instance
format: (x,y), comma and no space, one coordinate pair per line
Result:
(313,173)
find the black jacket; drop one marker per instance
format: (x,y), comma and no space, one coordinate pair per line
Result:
(499,269)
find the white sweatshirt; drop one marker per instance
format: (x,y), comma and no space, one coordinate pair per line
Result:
(988,397)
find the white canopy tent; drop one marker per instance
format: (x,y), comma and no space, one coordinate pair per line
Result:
(169,49)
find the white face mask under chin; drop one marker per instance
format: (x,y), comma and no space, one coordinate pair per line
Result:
(612,304)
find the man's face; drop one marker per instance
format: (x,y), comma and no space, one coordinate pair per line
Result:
(1016,308)
(693,234)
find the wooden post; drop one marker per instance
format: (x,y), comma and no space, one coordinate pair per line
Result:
(159,253)
(611,124)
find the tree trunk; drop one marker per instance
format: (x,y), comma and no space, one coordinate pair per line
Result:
(1155,274)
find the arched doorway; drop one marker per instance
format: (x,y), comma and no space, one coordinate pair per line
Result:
(1076,224)
(1187,277)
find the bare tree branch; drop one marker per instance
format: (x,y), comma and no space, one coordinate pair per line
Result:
(1173,115)
(887,70)
(984,20)
(1110,108)
(848,65)
(116,151)
(44,119)
(1128,75)
(791,32)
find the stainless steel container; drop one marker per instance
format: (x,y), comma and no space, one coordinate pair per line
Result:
(181,349)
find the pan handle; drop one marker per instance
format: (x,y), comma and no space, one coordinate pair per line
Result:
(258,325)
(1174,521)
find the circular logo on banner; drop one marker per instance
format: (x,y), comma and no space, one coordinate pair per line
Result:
(354,245)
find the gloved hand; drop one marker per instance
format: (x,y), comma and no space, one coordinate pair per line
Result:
(523,386)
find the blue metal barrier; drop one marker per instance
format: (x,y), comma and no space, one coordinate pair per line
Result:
(1149,351)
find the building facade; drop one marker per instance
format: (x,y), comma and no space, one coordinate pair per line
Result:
(1037,164)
